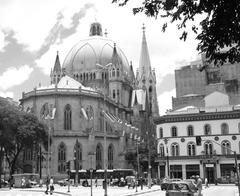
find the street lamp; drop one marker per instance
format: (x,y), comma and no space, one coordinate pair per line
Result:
(104,128)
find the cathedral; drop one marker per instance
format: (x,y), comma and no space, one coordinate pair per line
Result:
(95,108)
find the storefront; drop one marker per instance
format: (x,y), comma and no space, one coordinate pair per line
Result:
(210,172)
(192,170)
(227,173)
(176,171)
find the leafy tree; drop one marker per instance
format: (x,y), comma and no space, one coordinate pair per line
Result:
(20,130)
(219,30)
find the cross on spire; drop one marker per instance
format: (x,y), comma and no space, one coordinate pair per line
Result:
(143,27)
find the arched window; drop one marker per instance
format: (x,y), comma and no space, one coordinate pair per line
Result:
(99,157)
(226,147)
(191,149)
(175,149)
(81,77)
(110,156)
(114,94)
(190,130)
(207,129)
(160,132)
(67,117)
(94,76)
(113,72)
(86,76)
(118,95)
(90,76)
(78,155)
(224,129)
(62,158)
(118,72)
(161,150)
(174,131)
(208,148)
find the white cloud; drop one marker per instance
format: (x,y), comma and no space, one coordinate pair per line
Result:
(14,76)
(165,101)
(2,42)
(6,94)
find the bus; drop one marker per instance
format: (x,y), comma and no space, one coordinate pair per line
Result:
(30,179)
(98,176)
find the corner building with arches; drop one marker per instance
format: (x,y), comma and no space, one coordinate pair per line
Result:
(95,84)
(218,124)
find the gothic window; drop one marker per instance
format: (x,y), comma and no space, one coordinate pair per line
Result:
(113,72)
(28,155)
(207,129)
(94,30)
(77,77)
(78,155)
(224,129)
(191,149)
(81,77)
(62,158)
(110,156)
(114,94)
(161,150)
(99,157)
(86,76)
(90,76)
(190,130)
(118,95)
(208,148)
(94,76)
(67,117)
(174,131)
(226,147)
(118,72)
(160,132)
(175,149)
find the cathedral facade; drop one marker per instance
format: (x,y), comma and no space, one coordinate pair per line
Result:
(94,95)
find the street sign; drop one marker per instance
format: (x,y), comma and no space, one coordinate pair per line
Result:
(209,165)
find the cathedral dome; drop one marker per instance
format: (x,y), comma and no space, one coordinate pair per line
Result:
(93,50)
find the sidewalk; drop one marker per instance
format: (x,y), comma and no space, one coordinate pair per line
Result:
(97,191)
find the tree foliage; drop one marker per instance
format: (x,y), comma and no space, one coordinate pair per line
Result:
(218,32)
(20,131)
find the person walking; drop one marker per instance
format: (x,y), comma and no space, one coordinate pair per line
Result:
(199,185)
(51,186)
(47,185)
(206,183)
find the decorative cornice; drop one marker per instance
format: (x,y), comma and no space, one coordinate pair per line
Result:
(202,116)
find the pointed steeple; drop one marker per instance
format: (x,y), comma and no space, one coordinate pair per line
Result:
(57,66)
(115,58)
(144,63)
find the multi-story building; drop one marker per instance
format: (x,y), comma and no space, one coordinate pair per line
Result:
(193,83)
(94,85)
(218,125)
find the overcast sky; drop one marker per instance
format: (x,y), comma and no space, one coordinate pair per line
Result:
(32,31)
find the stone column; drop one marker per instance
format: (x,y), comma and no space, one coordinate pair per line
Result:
(201,168)
(184,175)
(218,171)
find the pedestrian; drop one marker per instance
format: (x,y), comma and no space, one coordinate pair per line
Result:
(96,182)
(206,183)
(199,185)
(47,185)
(51,186)
(141,182)
(23,182)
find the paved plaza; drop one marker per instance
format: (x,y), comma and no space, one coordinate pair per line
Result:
(220,190)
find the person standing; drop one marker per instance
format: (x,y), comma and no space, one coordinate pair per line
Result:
(47,185)
(206,183)
(51,186)
(199,185)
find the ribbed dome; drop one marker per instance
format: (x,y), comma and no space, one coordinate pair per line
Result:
(88,52)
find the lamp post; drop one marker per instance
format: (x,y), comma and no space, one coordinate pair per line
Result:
(91,168)
(104,128)
(168,167)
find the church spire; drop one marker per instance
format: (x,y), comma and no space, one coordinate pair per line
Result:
(115,58)
(57,66)
(144,63)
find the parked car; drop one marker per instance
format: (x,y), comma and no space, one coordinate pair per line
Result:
(166,182)
(180,188)
(63,182)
